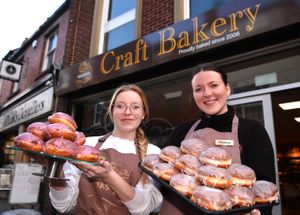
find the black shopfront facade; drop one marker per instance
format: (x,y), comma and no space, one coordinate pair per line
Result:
(256,42)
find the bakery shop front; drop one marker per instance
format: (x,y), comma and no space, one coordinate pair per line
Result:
(32,105)
(256,42)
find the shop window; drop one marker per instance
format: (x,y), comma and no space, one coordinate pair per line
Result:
(15,87)
(117,8)
(118,19)
(250,111)
(50,51)
(1,86)
(195,7)
(99,115)
(113,39)
(265,75)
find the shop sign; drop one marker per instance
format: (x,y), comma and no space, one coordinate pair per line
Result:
(10,70)
(27,110)
(227,24)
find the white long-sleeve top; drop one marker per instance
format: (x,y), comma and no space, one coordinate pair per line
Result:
(147,196)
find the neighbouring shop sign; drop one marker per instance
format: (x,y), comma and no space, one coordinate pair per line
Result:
(27,109)
(224,25)
(10,70)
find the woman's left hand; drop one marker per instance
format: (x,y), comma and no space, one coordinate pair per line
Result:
(253,212)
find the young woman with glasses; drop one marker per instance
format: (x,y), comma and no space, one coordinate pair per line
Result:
(116,185)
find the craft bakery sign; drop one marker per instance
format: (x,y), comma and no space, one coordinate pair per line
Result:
(226,24)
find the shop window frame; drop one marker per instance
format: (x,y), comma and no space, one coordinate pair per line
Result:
(114,23)
(49,55)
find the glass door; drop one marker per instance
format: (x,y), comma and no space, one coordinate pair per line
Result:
(259,108)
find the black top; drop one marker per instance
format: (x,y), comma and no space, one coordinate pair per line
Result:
(257,151)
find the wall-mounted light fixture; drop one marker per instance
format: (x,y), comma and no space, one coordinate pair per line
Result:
(34,44)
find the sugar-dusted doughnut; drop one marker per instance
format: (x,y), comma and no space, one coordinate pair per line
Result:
(213,176)
(242,175)
(165,170)
(211,198)
(265,192)
(38,129)
(60,117)
(184,184)
(29,141)
(193,146)
(170,153)
(241,196)
(187,164)
(216,156)
(150,160)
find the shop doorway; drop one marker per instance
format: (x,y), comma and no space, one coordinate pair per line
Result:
(259,108)
(288,149)
(284,133)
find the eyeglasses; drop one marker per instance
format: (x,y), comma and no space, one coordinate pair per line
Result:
(134,108)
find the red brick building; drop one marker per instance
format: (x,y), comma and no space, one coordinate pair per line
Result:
(155,44)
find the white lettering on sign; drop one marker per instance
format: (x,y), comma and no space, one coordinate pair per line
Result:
(34,107)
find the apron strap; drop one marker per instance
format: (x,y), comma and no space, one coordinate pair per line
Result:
(102,139)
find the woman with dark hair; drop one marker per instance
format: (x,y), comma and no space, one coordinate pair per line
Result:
(250,143)
(115,185)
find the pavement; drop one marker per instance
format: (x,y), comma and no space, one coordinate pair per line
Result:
(4,205)
(8,209)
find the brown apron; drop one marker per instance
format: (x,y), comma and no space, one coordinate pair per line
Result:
(96,197)
(172,203)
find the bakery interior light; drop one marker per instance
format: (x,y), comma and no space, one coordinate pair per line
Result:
(290,105)
(297,119)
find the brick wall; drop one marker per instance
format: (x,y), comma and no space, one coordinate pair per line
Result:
(156,14)
(79,33)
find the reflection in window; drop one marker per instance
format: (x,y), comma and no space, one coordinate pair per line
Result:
(113,39)
(198,7)
(252,111)
(117,7)
(99,116)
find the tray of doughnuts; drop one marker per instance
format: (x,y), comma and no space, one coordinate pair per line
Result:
(207,181)
(57,139)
